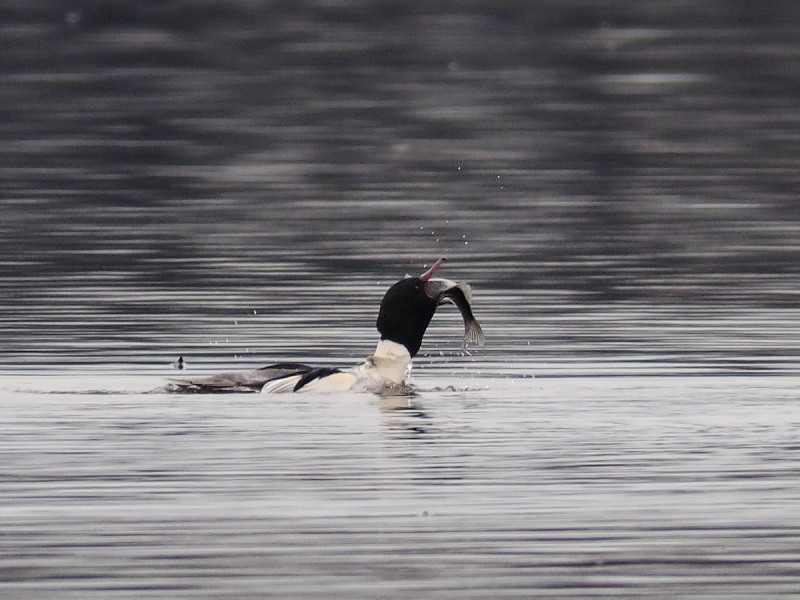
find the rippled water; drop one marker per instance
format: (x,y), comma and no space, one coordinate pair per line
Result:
(239,184)
(566,487)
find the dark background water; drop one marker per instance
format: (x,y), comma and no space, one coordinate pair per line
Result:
(239,182)
(615,179)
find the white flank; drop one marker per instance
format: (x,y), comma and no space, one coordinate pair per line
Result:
(389,365)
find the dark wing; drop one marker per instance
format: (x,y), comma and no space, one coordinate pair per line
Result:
(236,381)
(315,374)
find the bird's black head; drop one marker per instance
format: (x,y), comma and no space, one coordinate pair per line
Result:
(405,313)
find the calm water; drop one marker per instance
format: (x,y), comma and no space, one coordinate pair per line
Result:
(239,184)
(570,487)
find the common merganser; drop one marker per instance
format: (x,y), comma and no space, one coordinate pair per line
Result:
(406,310)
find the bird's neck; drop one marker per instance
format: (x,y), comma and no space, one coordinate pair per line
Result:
(390,362)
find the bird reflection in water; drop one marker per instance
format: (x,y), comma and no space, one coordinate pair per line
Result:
(403,415)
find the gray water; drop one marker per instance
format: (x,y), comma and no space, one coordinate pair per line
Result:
(239,183)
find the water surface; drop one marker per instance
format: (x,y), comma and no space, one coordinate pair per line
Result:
(567,487)
(239,184)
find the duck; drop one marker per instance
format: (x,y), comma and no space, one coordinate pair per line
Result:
(405,312)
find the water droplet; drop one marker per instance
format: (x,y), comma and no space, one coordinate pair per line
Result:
(73,18)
